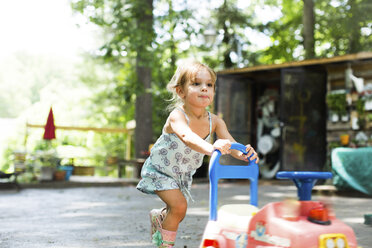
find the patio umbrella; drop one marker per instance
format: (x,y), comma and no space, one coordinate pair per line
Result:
(50,129)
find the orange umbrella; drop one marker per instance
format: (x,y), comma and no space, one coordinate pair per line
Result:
(50,129)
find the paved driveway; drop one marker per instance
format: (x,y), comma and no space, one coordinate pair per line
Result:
(109,217)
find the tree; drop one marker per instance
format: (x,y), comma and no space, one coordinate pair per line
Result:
(129,36)
(26,79)
(343,27)
(328,29)
(308,21)
(285,33)
(231,23)
(141,60)
(144,21)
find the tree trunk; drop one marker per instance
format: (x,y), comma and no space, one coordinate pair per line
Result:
(308,21)
(227,37)
(143,131)
(354,27)
(143,115)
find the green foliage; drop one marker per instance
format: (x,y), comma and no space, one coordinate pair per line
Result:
(337,102)
(232,46)
(340,27)
(178,34)
(230,20)
(7,160)
(359,105)
(45,145)
(107,87)
(285,34)
(369,117)
(125,36)
(23,78)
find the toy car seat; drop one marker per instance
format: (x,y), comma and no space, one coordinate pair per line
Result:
(234,215)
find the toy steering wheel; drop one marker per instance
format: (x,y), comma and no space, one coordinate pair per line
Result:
(304,181)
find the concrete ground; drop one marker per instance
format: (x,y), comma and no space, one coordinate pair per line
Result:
(117,216)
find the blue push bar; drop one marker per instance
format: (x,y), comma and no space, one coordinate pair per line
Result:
(218,171)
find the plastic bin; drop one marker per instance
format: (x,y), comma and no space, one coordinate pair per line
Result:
(68,169)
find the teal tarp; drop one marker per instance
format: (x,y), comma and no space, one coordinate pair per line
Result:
(352,168)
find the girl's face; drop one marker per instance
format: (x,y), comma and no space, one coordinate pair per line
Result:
(200,92)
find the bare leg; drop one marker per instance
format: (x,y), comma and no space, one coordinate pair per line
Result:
(176,206)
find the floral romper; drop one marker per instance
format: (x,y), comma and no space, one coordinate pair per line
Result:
(171,164)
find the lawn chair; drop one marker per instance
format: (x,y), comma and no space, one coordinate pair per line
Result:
(9,180)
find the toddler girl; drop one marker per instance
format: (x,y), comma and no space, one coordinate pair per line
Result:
(180,149)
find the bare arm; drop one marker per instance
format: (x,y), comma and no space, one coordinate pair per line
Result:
(223,133)
(179,126)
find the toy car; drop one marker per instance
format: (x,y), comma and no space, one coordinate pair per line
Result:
(292,223)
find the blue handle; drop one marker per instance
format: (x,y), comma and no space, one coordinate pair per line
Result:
(304,181)
(239,147)
(218,171)
(242,148)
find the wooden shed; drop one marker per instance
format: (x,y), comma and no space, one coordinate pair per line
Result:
(281,109)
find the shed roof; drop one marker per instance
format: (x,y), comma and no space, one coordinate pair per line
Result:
(309,62)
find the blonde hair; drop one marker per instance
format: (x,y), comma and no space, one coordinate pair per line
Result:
(185,72)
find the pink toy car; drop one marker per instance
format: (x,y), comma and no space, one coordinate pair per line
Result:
(292,223)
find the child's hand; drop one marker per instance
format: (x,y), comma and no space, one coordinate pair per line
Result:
(250,152)
(223,145)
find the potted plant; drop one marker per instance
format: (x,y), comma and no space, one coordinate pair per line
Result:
(359,105)
(344,139)
(59,175)
(369,143)
(46,157)
(49,162)
(369,121)
(337,105)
